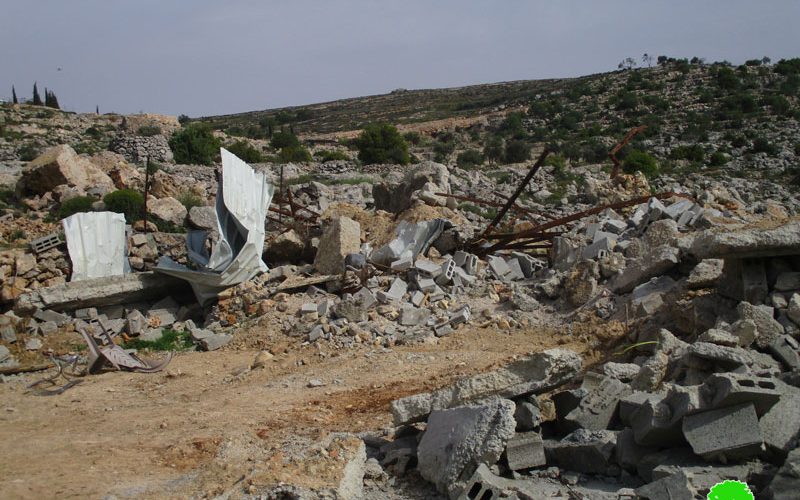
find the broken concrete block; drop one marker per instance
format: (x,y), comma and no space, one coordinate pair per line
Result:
(365,297)
(599,406)
(788,282)
(655,209)
(628,452)
(654,263)
(161,317)
(653,425)
(443,329)
(541,372)
(719,337)
(214,341)
(7,332)
(600,248)
(785,484)
(525,450)
(135,322)
(342,236)
(446,272)
(402,264)
(395,293)
(780,426)
(460,258)
(47,328)
(590,452)
(614,226)
(527,413)
(767,327)
(621,371)
(648,298)
(677,486)
(675,210)
(460,316)
(528,264)
(151,334)
(471,265)
(417,297)
(426,285)
(457,440)
(725,433)
(413,316)
(729,389)
(706,274)
(786,350)
(498,267)
(428,268)
(515,270)
(793,311)
(55,317)
(661,232)
(630,404)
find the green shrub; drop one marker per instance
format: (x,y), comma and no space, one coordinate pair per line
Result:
(195,144)
(493,149)
(692,153)
(283,139)
(93,132)
(328,155)
(640,161)
(717,159)
(28,152)
(761,145)
(149,130)
(127,202)
(512,126)
(170,341)
(627,100)
(517,151)
(797,148)
(75,205)
(442,149)
(382,143)
(739,141)
(246,152)
(17,234)
(726,78)
(788,66)
(85,148)
(469,158)
(413,138)
(190,200)
(294,154)
(778,104)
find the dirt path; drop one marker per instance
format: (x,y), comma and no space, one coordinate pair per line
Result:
(208,422)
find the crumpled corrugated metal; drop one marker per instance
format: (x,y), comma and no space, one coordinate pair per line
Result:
(243,199)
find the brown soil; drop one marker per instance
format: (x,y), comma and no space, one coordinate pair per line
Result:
(209,424)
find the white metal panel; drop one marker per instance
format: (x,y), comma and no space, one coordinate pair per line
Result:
(96,244)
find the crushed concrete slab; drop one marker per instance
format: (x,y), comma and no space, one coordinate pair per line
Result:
(599,406)
(590,452)
(705,274)
(457,440)
(748,242)
(539,373)
(785,484)
(725,433)
(100,292)
(678,486)
(655,263)
(342,236)
(767,327)
(525,450)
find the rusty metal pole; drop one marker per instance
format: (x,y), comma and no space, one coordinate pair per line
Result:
(146,189)
(520,188)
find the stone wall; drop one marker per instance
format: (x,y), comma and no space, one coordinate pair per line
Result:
(136,149)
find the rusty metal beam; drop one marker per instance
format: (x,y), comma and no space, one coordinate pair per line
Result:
(521,187)
(625,140)
(585,213)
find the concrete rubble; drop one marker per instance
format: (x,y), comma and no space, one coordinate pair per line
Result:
(705,383)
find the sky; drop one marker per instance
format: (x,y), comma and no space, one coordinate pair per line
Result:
(203,57)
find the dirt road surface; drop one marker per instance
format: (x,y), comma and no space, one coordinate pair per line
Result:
(209,425)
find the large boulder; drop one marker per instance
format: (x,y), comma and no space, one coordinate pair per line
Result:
(167,209)
(286,247)
(342,236)
(58,166)
(457,440)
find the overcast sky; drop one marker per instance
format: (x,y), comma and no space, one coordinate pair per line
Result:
(204,57)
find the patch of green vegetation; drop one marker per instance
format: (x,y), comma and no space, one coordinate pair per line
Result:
(190,200)
(166,226)
(28,152)
(127,202)
(246,152)
(331,155)
(692,153)
(170,341)
(640,161)
(294,154)
(470,158)
(86,148)
(195,144)
(75,205)
(382,143)
(761,145)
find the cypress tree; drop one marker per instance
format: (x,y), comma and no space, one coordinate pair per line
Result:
(14,95)
(97,109)
(37,100)
(51,101)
